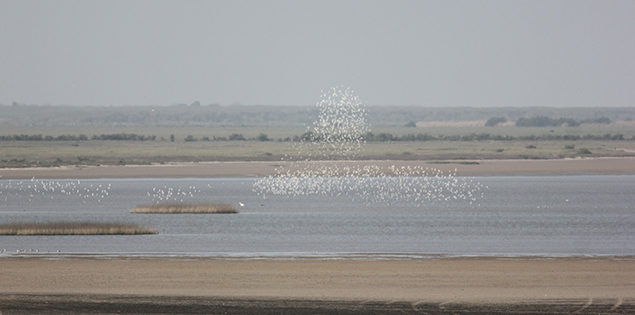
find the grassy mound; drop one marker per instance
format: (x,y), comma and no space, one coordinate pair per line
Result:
(73,228)
(176,207)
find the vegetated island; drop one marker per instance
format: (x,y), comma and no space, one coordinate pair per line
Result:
(74,228)
(183,207)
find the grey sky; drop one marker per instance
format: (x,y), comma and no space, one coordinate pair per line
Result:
(424,53)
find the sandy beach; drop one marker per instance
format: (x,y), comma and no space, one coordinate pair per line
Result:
(435,286)
(251,169)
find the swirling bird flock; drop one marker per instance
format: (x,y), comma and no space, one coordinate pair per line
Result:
(338,134)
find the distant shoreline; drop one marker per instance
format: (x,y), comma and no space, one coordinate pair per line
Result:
(559,167)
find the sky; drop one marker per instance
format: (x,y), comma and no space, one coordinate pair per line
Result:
(565,53)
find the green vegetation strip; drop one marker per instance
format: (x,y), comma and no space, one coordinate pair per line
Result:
(176,207)
(73,228)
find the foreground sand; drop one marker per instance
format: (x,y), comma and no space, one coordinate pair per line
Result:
(584,285)
(249,169)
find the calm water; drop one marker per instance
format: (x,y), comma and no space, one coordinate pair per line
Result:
(517,216)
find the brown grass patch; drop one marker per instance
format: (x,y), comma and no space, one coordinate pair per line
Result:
(73,228)
(179,207)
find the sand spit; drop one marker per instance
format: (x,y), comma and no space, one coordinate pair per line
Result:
(583,166)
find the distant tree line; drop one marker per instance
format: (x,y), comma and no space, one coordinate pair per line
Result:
(544,121)
(310,137)
(232,137)
(385,137)
(81,137)
(495,121)
(124,136)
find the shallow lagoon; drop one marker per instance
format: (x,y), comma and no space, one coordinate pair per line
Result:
(559,216)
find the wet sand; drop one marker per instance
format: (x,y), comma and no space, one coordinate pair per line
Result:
(589,166)
(433,286)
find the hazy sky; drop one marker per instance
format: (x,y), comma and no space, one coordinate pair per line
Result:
(424,53)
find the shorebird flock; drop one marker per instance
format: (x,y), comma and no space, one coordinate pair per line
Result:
(51,189)
(172,194)
(373,184)
(338,133)
(84,191)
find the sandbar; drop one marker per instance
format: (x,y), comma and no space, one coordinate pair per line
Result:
(562,167)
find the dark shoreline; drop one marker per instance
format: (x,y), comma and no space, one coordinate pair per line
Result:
(138,304)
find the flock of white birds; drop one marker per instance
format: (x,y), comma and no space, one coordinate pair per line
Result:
(172,194)
(28,190)
(53,189)
(373,184)
(340,126)
(339,133)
